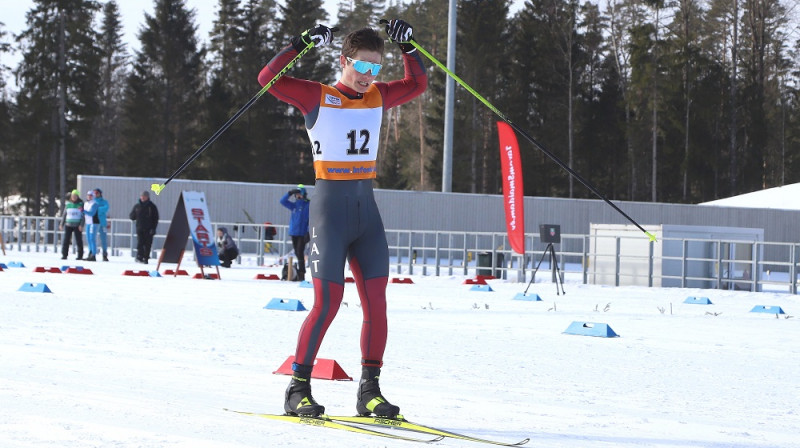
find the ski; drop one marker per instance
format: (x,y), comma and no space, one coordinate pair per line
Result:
(401,423)
(323,421)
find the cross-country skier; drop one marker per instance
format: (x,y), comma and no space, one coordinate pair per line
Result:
(343,123)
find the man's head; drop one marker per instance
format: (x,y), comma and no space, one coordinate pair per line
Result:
(145,196)
(75,194)
(360,61)
(90,194)
(363,39)
(98,192)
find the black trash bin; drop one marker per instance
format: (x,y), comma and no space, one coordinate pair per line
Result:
(485,261)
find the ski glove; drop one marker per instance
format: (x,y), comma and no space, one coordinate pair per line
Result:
(320,35)
(401,32)
(293,192)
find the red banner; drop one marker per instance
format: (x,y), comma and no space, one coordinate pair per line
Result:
(512,186)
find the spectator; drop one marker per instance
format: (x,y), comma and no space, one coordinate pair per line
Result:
(269,235)
(145,213)
(226,247)
(102,220)
(90,218)
(72,224)
(269,231)
(298,225)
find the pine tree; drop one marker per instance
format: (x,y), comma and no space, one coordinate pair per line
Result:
(265,123)
(164,94)
(478,61)
(57,77)
(224,95)
(240,44)
(317,65)
(5,47)
(5,121)
(539,88)
(686,26)
(600,151)
(625,16)
(357,14)
(414,132)
(762,57)
(113,71)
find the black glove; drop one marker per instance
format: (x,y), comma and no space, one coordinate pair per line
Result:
(293,192)
(401,32)
(320,35)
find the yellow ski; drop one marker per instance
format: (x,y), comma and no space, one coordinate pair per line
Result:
(323,421)
(401,423)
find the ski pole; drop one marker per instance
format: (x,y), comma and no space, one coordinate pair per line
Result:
(158,187)
(541,147)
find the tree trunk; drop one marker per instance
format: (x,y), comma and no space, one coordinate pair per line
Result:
(62,105)
(570,119)
(421,119)
(474,149)
(653,192)
(687,101)
(733,93)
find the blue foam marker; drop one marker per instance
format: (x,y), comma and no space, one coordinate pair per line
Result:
(285,305)
(600,330)
(528,297)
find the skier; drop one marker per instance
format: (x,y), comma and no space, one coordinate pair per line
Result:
(343,123)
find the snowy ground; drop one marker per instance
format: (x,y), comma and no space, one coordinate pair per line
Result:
(116,361)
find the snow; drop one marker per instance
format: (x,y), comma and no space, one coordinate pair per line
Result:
(783,197)
(109,360)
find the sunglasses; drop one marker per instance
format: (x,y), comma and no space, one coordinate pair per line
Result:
(363,67)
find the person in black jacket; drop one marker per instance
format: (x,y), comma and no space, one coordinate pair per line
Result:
(226,247)
(145,213)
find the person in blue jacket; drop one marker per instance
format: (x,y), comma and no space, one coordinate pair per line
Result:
(298,225)
(101,205)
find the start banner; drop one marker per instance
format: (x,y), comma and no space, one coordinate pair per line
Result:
(191,218)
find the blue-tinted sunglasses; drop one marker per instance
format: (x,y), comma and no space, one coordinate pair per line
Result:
(363,67)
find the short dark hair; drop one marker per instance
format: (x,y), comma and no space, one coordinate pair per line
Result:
(363,39)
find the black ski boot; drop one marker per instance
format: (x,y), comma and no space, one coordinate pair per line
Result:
(370,399)
(298,395)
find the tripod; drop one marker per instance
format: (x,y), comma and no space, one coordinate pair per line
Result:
(553,264)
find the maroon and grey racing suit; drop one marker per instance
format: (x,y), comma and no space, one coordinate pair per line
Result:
(344,129)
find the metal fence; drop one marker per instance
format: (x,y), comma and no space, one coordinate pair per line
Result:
(693,263)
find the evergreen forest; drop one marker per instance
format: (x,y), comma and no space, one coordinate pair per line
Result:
(649,100)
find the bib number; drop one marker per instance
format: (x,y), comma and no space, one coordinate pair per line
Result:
(353,150)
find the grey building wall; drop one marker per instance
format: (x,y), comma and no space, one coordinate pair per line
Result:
(430,211)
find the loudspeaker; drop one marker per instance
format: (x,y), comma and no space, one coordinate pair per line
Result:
(550,233)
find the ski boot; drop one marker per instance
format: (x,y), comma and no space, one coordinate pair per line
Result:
(370,399)
(298,395)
